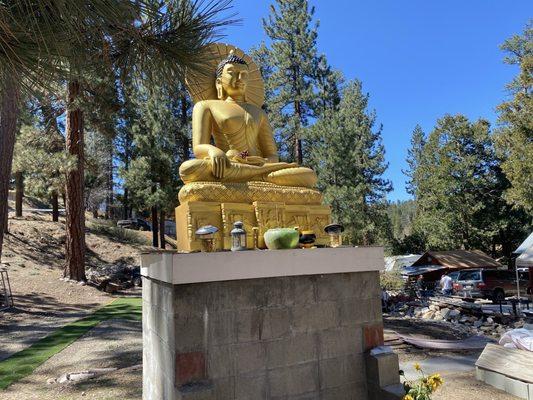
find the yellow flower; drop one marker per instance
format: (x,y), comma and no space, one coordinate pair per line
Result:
(408,397)
(435,381)
(418,367)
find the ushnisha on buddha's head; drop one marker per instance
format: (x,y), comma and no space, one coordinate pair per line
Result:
(232,78)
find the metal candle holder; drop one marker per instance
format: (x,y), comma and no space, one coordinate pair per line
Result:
(207,237)
(335,234)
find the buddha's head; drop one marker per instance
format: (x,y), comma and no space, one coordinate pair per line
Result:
(232,77)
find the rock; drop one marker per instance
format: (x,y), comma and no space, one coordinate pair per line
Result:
(478,323)
(419,311)
(445,312)
(428,314)
(490,320)
(454,314)
(111,287)
(81,376)
(438,316)
(519,324)
(464,319)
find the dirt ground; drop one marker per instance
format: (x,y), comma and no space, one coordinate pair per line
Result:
(113,343)
(458,385)
(34,256)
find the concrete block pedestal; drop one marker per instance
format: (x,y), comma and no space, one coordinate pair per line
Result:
(292,324)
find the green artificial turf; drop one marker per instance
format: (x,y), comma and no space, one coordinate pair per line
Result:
(24,362)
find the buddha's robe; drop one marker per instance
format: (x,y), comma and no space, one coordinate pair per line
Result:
(238,128)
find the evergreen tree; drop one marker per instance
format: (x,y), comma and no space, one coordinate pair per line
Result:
(96,179)
(328,85)
(348,156)
(128,114)
(414,155)
(160,143)
(101,106)
(456,174)
(514,141)
(292,57)
(39,153)
(261,55)
(401,215)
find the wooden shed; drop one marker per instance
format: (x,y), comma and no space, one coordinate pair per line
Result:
(457,259)
(433,264)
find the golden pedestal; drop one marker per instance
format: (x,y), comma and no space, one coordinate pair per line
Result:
(256,204)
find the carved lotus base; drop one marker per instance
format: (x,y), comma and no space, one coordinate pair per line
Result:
(248,193)
(262,214)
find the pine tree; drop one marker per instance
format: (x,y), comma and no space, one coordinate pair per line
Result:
(414,155)
(97,161)
(39,151)
(348,156)
(292,57)
(101,106)
(514,140)
(328,83)
(160,143)
(456,174)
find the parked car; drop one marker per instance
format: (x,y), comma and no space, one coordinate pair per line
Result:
(134,223)
(491,284)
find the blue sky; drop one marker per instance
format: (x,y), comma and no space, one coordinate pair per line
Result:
(418,59)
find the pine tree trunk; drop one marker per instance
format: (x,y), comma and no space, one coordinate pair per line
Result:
(185,141)
(19,193)
(109,184)
(298,152)
(155,228)
(75,210)
(9,113)
(55,207)
(125,204)
(6,225)
(162,242)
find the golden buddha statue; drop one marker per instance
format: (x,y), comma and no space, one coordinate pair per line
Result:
(244,149)
(236,174)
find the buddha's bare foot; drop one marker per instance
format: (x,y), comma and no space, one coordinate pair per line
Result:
(296,176)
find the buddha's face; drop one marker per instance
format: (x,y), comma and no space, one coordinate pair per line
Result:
(233,80)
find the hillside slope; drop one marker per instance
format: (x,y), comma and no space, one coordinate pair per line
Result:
(34,254)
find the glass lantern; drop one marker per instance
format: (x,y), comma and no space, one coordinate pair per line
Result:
(238,237)
(206,234)
(335,234)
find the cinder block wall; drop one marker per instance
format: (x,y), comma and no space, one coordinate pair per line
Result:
(300,337)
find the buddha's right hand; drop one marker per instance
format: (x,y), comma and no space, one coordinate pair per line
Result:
(219,162)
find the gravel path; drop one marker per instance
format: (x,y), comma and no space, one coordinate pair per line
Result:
(113,343)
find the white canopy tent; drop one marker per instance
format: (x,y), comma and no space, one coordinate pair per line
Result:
(525,245)
(525,259)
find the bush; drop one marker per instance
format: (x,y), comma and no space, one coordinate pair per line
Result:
(111,230)
(391,280)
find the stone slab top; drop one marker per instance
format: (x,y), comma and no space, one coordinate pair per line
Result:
(182,268)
